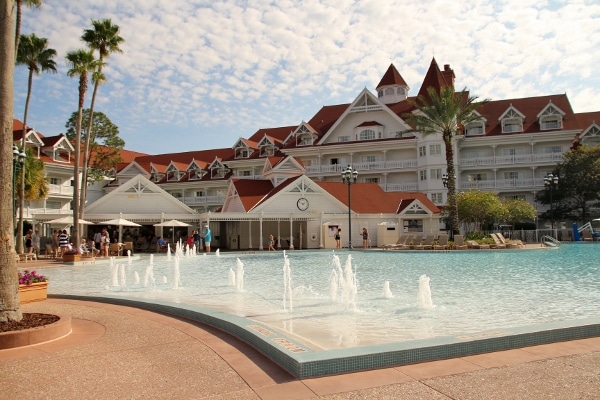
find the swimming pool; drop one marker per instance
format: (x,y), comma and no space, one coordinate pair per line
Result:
(473,294)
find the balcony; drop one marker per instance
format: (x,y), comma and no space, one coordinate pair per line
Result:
(377,166)
(401,187)
(521,159)
(506,184)
(198,200)
(60,190)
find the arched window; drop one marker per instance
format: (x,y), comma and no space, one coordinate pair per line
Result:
(367,134)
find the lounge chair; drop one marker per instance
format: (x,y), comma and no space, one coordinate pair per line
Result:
(399,244)
(510,244)
(127,246)
(427,244)
(442,242)
(474,245)
(459,242)
(587,235)
(497,242)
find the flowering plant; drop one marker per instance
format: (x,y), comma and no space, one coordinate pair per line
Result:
(29,277)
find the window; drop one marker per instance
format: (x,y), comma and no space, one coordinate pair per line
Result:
(54,205)
(340,160)
(242,153)
(435,173)
(380,93)
(55,181)
(512,121)
(177,195)
(512,126)
(371,180)
(367,134)
(513,175)
(343,138)
(435,149)
(551,149)
(423,175)
(389,91)
(474,128)
(437,198)
(553,123)
(369,159)
(477,177)
(246,173)
(422,151)
(200,193)
(513,152)
(516,197)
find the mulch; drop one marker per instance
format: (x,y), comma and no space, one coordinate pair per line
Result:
(30,320)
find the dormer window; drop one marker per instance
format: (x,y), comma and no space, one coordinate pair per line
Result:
(195,174)
(550,117)
(267,151)
(475,128)
(242,153)
(304,136)
(512,121)
(367,134)
(174,176)
(156,176)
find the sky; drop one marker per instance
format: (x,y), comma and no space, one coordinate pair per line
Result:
(198,74)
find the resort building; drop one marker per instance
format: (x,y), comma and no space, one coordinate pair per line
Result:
(509,150)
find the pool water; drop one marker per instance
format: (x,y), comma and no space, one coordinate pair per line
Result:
(471,291)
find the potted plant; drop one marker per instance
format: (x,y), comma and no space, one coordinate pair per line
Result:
(71,255)
(32,287)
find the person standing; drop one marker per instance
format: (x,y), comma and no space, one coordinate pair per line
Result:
(207,236)
(271,243)
(35,242)
(63,241)
(98,239)
(197,241)
(28,242)
(338,239)
(365,236)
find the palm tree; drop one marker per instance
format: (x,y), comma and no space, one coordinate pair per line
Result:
(445,112)
(10,308)
(105,38)
(30,4)
(82,63)
(34,53)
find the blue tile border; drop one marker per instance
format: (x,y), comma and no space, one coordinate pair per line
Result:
(304,362)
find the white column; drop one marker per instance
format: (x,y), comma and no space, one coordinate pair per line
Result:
(291,234)
(250,234)
(278,234)
(320,233)
(260,229)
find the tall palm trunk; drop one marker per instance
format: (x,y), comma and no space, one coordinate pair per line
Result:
(10,308)
(452,207)
(22,182)
(86,153)
(18,25)
(75,236)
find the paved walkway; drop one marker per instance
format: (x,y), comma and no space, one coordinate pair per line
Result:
(118,352)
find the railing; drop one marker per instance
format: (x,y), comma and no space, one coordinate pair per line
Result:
(529,159)
(194,200)
(362,166)
(503,184)
(401,187)
(60,189)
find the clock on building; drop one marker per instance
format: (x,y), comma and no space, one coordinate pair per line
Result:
(302,204)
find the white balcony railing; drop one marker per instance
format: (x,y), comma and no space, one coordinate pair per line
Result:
(195,200)
(504,184)
(60,190)
(376,166)
(528,159)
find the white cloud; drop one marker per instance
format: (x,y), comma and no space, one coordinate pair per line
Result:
(224,69)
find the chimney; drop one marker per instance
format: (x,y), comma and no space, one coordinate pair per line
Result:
(448,74)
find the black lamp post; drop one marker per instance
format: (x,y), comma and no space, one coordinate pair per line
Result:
(349,176)
(551,181)
(18,163)
(445,180)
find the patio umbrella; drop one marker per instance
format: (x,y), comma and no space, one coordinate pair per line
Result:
(68,220)
(120,222)
(172,224)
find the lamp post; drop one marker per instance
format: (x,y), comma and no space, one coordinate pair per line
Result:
(18,163)
(349,176)
(551,181)
(445,182)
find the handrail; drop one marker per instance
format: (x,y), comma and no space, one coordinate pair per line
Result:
(549,241)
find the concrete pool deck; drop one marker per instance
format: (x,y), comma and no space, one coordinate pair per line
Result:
(124,352)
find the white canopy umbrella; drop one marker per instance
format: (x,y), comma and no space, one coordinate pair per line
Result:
(68,220)
(172,224)
(120,222)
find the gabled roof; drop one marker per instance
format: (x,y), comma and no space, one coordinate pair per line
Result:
(251,192)
(138,196)
(391,77)
(370,198)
